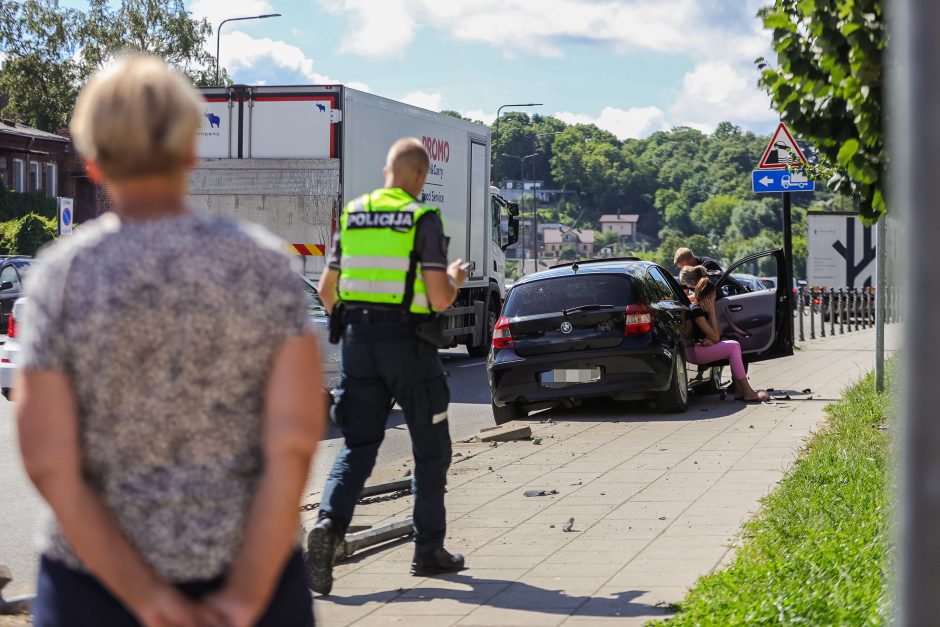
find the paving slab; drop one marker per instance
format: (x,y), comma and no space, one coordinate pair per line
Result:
(658,501)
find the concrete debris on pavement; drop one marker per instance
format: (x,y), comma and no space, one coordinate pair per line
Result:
(568,526)
(506,433)
(540,492)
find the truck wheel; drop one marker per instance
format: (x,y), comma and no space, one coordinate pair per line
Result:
(507,413)
(483,349)
(675,400)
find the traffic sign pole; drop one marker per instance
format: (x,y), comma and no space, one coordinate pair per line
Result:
(788,245)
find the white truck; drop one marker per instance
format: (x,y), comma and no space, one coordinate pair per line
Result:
(289,158)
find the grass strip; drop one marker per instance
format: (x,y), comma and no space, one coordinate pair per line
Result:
(817,552)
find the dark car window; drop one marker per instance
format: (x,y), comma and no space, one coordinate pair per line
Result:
(556,294)
(665,287)
(10,274)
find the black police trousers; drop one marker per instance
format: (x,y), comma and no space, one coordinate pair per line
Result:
(381,362)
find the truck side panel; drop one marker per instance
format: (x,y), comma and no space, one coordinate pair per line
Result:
(371,124)
(293,198)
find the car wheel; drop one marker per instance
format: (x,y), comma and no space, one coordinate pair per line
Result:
(507,413)
(713,384)
(675,400)
(484,348)
(6,393)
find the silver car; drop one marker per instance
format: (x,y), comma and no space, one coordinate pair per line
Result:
(319,317)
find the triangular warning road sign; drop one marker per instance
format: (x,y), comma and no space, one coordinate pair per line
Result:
(782,151)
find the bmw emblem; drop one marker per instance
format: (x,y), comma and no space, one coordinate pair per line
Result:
(566,327)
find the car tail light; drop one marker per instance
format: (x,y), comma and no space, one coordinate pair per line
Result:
(11,327)
(639,320)
(502,338)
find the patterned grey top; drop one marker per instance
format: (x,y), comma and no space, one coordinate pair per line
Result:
(167,329)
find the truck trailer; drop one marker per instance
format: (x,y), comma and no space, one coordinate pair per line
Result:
(289,158)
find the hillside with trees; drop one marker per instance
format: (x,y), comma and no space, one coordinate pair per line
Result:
(689,188)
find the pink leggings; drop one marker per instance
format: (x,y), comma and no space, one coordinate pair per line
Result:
(725,349)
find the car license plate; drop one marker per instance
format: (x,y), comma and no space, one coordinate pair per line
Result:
(570,376)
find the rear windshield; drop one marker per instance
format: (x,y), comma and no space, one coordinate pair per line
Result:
(557,294)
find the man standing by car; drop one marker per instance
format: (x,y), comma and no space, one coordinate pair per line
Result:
(685,257)
(388,273)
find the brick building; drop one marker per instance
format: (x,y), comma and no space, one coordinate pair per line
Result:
(32,160)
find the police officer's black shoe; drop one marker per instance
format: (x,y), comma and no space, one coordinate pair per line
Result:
(321,553)
(436,562)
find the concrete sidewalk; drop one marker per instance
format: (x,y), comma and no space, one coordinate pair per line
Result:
(657,502)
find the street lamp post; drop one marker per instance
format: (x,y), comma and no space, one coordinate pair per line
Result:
(522,197)
(535,209)
(498,138)
(218,34)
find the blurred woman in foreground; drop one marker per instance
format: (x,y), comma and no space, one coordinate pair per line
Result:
(170,399)
(707,345)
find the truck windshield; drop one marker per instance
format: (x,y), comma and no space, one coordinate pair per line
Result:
(569,293)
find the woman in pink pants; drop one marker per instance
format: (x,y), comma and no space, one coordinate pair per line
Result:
(708,346)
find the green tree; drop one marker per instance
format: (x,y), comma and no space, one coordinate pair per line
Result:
(568,253)
(828,86)
(51,51)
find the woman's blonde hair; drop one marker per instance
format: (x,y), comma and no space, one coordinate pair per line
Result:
(691,275)
(137,117)
(703,289)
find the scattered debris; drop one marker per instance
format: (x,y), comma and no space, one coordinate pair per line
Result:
(458,454)
(408,472)
(489,468)
(506,433)
(376,535)
(881,427)
(494,444)
(568,526)
(750,426)
(662,518)
(540,492)
(536,441)
(551,526)
(580,482)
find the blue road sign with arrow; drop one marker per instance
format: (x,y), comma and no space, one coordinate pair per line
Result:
(776,181)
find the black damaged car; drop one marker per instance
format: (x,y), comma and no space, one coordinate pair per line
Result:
(617,328)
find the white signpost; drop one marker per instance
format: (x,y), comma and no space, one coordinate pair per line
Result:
(66,215)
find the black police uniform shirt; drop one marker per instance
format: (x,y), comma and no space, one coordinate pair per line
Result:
(710,264)
(430,245)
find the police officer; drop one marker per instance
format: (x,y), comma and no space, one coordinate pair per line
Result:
(388,270)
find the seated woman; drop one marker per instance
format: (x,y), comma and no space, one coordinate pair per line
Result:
(689,277)
(708,346)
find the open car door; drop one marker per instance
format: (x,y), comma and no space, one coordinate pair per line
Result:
(761,321)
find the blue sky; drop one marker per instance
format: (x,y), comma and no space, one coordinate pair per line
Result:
(631,66)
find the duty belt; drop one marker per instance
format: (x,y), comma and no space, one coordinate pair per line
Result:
(380,315)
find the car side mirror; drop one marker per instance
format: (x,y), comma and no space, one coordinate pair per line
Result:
(6,285)
(512,228)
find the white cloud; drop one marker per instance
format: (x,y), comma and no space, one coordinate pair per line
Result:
(260,61)
(217,10)
(624,123)
(432,102)
(715,91)
(242,53)
(546,27)
(381,27)
(487,117)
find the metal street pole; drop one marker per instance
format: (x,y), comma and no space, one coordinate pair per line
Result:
(522,199)
(881,287)
(788,248)
(498,138)
(218,35)
(915,131)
